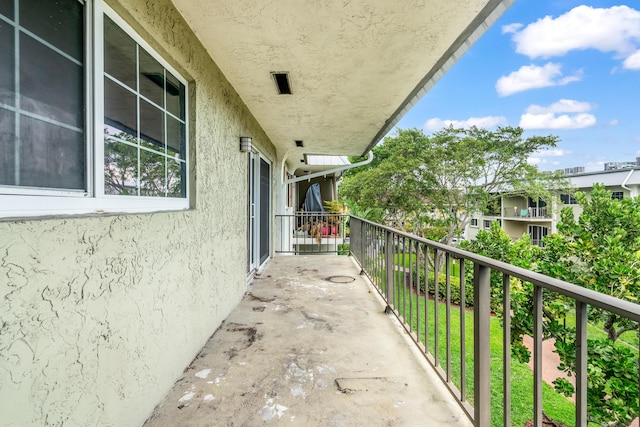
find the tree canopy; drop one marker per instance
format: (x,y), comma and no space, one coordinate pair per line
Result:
(599,250)
(430,185)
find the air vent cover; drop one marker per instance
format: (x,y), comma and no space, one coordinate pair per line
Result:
(282,82)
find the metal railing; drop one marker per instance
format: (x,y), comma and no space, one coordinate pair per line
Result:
(516,212)
(401,266)
(312,233)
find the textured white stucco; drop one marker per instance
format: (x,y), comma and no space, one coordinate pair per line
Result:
(351,64)
(100,314)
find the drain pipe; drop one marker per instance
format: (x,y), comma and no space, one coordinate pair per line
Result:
(330,171)
(626,179)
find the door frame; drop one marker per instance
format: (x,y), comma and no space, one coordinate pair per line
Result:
(254,210)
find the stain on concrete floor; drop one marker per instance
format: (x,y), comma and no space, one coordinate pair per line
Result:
(301,350)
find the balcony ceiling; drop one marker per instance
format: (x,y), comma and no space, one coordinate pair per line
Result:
(355,67)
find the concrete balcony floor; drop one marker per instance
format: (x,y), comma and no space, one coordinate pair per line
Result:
(302,350)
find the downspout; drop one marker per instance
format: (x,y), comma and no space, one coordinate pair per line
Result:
(330,171)
(626,179)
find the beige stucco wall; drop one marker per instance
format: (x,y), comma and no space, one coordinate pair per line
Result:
(100,314)
(472,230)
(515,229)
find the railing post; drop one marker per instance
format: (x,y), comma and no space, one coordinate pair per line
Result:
(363,244)
(481,348)
(581,363)
(506,348)
(436,306)
(537,355)
(388,256)
(463,335)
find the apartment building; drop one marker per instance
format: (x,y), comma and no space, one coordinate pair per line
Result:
(520,214)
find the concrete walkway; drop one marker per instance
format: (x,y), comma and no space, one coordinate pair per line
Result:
(306,351)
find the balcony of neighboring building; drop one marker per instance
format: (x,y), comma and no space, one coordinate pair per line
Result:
(525,209)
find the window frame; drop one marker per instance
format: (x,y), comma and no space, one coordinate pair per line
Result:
(474,222)
(617,195)
(568,199)
(32,202)
(487,224)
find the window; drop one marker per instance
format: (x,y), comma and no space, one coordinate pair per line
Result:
(619,195)
(487,224)
(474,222)
(144,121)
(537,234)
(111,138)
(568,199)
(42,124)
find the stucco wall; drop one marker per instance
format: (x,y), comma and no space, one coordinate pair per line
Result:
(100,314)
(515,229)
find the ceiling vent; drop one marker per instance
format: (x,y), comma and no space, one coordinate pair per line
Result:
(282,82)
(299,143)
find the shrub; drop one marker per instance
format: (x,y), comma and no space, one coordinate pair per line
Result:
(418,279)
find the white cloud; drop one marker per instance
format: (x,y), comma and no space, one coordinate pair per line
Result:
(561,106)
(615,30)
(551,121)
(511,28)
(633,61)
(540,157)
(557,152)
(575,115)
(614,122)
(533,77)
(534,160)
(437,123)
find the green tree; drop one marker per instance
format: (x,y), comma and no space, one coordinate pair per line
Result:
(430,185)
(393,183)
(495,243)
(600,251)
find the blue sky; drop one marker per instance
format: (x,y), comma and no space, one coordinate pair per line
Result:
(557,67)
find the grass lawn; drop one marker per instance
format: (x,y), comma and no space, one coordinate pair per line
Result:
(555,405)
(399,258)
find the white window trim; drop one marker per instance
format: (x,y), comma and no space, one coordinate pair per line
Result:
(34,202)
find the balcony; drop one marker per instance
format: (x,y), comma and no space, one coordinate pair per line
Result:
(309,345)
(311,233)
(339,340)
(528,214)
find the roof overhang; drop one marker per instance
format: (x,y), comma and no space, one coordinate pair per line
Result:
(354,67)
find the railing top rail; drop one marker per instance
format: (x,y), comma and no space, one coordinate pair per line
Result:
(615,305)
(316,213)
